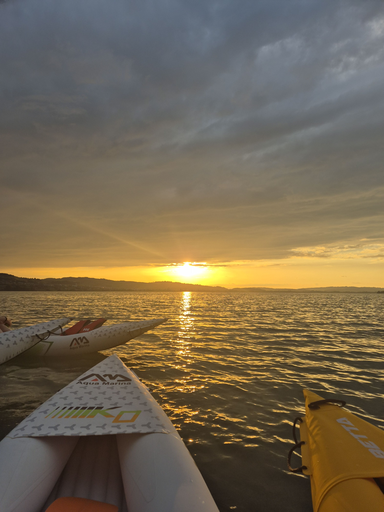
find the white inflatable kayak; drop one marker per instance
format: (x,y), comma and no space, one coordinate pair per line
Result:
(104,439)
(87,341)
(13,343)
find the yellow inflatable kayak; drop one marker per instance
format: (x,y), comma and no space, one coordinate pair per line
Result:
(342,454)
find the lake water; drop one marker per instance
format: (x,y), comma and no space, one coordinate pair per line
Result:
(228,369)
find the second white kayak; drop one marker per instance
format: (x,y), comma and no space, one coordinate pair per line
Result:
(101,338)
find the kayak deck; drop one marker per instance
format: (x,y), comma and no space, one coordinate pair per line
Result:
(102,438)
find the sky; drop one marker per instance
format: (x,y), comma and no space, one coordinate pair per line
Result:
(245,138)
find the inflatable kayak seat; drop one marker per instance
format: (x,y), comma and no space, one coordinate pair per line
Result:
(93,325)
(80,505)
(76,328)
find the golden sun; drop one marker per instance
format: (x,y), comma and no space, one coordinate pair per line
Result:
(189,270)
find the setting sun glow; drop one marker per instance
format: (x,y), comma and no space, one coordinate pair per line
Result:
(188,270)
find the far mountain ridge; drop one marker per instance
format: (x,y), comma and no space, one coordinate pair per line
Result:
(322,289)
(9,282)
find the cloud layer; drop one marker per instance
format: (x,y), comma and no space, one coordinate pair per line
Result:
(140,132)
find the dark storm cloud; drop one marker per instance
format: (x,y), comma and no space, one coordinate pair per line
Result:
(214,129)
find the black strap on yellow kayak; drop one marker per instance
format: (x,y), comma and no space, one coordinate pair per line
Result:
(298,444)
(291,451)
(297,420)
(329,401)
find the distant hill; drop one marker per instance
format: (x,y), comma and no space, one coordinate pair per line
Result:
(329,289)
(89,284)
(345,289)
(9,282)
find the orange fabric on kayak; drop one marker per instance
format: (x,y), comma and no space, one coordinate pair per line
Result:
(343,454)
(76,328)
(80,505)
(93,325)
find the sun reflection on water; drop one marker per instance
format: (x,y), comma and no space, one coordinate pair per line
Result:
(186,326)
(186,318)
(185,341)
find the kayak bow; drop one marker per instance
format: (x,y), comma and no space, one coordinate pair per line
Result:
(342,454)
(102,443)
(90,340)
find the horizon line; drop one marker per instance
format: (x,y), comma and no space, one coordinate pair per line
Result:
(261,287)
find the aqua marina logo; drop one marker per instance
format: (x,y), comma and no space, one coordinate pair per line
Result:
(79,342)
(107,379)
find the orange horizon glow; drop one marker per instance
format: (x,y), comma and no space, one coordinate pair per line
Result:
(290,273)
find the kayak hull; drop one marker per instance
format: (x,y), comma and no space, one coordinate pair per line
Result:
(13,343)
(103,338)
(122,450)
(344,457)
